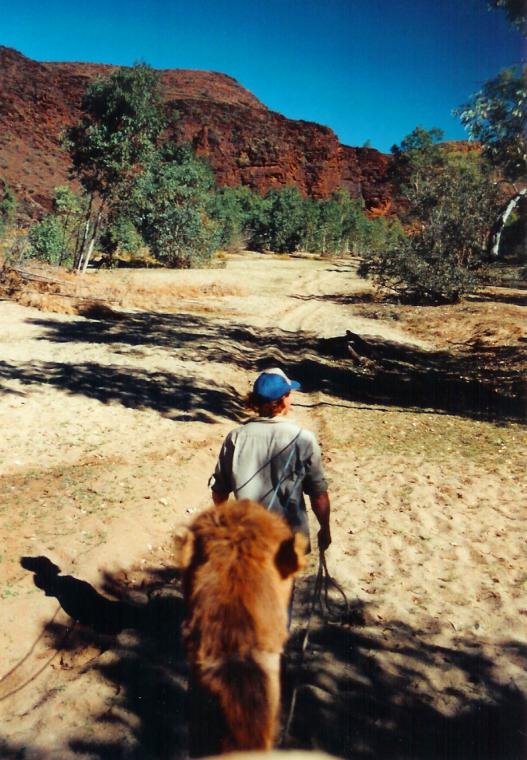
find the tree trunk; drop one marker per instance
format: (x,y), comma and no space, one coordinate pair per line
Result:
(82,247)
(81,244)
(494,247)
(92,243)
(83,264)
(85,254)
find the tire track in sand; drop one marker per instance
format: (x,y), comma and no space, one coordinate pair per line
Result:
(318,306)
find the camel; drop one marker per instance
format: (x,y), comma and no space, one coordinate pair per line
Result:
(238,563)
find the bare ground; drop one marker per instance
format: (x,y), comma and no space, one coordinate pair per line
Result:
(110,429)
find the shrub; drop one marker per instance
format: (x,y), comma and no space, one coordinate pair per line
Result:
(452,205)
(170,201)
(280,223)
(7,206)
(46,240)
(121,235)
(417,272)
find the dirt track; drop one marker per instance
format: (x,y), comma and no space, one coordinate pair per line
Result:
(110,431)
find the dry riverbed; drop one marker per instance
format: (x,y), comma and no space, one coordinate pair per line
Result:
(110,429)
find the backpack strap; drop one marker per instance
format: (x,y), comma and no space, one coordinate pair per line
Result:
(284,474)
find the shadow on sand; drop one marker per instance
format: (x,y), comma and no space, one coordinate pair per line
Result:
(364,691)
(404,376)
(137,629)
(349,702)
(181,398)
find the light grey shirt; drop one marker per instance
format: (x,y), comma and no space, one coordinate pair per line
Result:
(274,461)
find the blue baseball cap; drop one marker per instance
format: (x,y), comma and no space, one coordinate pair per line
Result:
(272,384)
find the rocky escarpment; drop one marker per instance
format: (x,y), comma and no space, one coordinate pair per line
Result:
(244,141)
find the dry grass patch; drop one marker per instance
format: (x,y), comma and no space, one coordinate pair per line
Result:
(497,317)
(99,294)
(433,437)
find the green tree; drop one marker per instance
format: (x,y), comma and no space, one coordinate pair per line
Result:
(496,116)
(335,225)
(516,11)
(452,211)
(169,202)
(120,234)
(329,229)
(236,210)
(418,155)
(378,235)
(69,210)
(46,240)
(7,205)
(340,225)
(55,237)
(311,232)
(281,225)
(332,219)
(116,137)
(354,222)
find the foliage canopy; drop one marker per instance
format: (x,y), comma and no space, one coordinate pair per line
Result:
(516,11)
(497,117)
(123,119)
(451,206)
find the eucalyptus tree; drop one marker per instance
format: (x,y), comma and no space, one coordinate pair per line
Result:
(237,212)
(496,116)
(7,205)
(115,139)
(168,203)
(283,222)
(451,203)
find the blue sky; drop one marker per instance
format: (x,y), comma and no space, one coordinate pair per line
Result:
(369,69)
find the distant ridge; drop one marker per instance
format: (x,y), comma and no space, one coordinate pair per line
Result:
(243,140)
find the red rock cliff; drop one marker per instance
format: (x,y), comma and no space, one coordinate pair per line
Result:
(244,141)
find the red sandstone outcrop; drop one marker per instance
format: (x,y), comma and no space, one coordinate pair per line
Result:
(244,141)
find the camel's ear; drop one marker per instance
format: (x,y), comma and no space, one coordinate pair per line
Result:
(290,558)
(184,546)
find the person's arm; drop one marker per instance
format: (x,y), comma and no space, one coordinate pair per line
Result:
(221,479)
(315,485)
(321,507)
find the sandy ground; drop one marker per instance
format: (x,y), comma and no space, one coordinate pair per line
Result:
(110,429)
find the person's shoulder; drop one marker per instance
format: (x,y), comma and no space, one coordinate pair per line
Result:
(308,436)
(304,435)
(245,428)
(233,434)
(288,425)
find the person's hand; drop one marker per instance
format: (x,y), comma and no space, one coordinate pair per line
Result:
(324,538)
(219,498)
(321,508)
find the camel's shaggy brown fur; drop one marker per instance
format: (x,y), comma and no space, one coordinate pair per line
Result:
(239,562)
